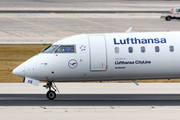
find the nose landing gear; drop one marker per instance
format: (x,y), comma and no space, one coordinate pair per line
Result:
(51,94)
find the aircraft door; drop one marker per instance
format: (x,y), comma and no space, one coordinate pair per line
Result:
(98,57)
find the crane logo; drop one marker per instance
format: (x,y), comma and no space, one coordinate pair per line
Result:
(72,63)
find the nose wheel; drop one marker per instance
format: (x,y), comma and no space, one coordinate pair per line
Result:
(51,95)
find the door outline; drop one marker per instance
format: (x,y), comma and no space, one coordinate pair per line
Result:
(104,64)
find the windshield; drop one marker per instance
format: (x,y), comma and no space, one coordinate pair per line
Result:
(65,49)
(50,49)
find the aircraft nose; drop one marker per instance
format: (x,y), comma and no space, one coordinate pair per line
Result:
(19,71)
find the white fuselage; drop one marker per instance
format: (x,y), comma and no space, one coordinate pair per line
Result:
(116,56)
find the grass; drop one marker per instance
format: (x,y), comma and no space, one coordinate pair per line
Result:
(13,55)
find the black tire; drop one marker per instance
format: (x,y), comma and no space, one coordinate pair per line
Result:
(51,95)
(168,18)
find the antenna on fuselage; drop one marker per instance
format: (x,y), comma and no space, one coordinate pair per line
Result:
(129,30)
(135,82)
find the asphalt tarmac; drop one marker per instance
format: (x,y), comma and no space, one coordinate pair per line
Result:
(92,94)
(77,11)
(91,100)
(47,21)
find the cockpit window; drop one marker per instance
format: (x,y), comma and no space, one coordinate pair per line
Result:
(66,49)
(50,49)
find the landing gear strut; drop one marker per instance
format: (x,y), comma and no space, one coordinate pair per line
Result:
(51,94)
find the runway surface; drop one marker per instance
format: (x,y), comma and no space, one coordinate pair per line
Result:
(77,11)
(91,100)
(89,4)
(92,94)
(49,28)
(47,21)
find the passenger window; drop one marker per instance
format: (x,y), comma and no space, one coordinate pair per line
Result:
(142,49)
(116,49)
(66,49)
(171,48)
(50,49)
(130,49)
(157,48)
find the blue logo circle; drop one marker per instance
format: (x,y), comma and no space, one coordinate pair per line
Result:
(72,63)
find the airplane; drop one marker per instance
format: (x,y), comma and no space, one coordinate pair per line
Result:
(104,57)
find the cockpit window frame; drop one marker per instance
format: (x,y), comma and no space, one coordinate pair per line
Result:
(66,52)
(49,47)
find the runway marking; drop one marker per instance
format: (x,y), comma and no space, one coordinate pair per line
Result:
(66,33)
(73,17)
(55,14)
